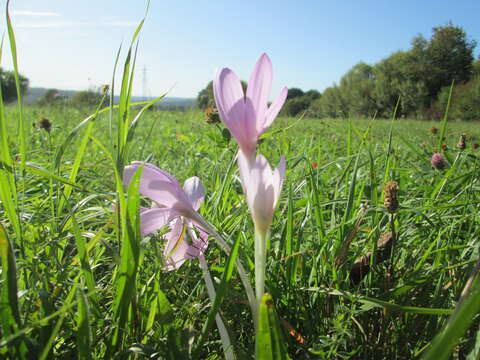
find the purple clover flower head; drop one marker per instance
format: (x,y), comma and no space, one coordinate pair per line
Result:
(174,207)
(248,115)
(438,161)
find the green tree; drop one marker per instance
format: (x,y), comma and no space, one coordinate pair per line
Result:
(294,92)
(449,56)
(205,97)
(9,90)
(331,104)
(357,87)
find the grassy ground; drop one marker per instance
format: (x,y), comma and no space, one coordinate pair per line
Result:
(69,253)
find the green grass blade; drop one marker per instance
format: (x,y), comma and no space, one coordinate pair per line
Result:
(10,315)
(443,128)
(221,291)
(21,123)
(83,326)
(445,341)
(269,344)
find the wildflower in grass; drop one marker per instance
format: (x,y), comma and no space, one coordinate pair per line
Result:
(390,191)
(462,142)
(247,115)
(314,165)
(176,208)
(45,124)
(438,161)
(434,130)
(173,206)
(262,187)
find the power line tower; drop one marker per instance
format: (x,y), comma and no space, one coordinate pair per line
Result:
(144,83)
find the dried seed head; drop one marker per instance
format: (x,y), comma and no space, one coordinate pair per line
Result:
(390,192)
(211,115)
(475,146)
(438,161)
(45,124)
(434,130)
(104,89)
(462,142)
(444,147)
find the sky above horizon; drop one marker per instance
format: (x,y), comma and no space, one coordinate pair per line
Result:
(312,43)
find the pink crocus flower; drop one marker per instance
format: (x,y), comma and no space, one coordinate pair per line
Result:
(247,115)
(174,207)
(262,187)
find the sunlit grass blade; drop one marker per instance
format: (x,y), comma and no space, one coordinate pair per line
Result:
(269,344)
(22,135)
(443,344)
(443,127)
(125,281)
(221,292)
(83,325)
(10,315)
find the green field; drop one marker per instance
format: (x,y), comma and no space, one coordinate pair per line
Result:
(69,247)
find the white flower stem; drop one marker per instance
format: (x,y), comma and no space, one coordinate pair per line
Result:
(241,270)
(226,343)
(260,263)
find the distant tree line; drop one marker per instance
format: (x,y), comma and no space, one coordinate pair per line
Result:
(9,89)
(419,79)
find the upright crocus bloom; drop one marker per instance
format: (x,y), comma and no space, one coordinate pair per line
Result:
(174,207)
(262,186)
(247,115)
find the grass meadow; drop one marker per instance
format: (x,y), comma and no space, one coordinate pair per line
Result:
(78,281)
(69,254)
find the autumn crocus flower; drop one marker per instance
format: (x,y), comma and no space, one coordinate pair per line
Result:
(262,186)
(174,207)
(247,115)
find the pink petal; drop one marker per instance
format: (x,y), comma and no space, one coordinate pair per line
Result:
(230,101)
(195,191)
(152,220)
(176,250)
(279,175)
(158,185)
(258,90)
(245,163)
(274,108)
(200,241)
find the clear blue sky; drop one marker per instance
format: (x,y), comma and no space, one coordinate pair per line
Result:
(70,44)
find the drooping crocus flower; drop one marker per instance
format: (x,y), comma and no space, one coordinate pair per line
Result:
(174,207)
(247,115)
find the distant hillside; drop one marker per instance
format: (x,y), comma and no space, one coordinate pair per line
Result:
(35,93)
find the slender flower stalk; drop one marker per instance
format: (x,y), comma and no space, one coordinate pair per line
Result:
(225,338)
